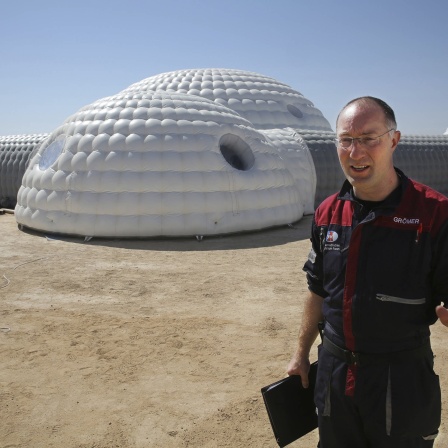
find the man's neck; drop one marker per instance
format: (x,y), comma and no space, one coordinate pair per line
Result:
(378,195)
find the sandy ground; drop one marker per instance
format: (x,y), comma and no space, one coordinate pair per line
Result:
(155,343)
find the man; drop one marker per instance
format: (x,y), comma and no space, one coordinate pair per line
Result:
(377,275)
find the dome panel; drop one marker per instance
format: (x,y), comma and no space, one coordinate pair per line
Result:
(171,171)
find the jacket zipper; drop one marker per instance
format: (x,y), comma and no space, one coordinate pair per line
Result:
(386,298)
(322,239)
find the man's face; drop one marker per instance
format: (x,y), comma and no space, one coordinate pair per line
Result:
(369,169)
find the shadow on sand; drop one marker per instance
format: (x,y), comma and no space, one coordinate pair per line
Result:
(243,240)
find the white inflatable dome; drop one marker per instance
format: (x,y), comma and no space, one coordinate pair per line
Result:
(194,152)
(265,102)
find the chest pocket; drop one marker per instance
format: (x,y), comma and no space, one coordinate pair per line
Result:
(396,261)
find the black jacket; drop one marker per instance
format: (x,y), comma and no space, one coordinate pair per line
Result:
(381,274)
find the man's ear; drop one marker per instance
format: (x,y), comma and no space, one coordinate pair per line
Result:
(395,139)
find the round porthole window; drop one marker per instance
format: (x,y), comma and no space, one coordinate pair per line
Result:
(293,110)
(236,152)
(52,152)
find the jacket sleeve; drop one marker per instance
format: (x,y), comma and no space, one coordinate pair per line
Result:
(440,267)
(314,265)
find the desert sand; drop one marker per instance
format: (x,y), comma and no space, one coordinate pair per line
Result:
(151,343)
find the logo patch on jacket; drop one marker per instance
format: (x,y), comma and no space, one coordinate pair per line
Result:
(330,241)
(332,236)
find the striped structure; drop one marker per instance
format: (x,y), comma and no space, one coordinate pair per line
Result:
(15,153)
(422,157)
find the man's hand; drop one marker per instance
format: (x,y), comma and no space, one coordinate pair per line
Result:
(300,366)
(442,313)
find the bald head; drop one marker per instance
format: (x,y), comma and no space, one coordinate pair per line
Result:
(369,101)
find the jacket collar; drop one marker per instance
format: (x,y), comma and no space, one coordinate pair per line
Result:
(346,192)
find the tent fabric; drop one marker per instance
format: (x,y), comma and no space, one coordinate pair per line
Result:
(322,148)
(264,101)
(137,165)
(193,152)
(425,159)
(297,156)
(15,152)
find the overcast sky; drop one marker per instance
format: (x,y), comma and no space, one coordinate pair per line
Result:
(57,56)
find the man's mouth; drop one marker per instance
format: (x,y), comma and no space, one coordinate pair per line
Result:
(359,168)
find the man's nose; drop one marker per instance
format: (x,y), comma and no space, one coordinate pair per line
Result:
(357,151)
